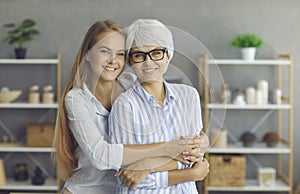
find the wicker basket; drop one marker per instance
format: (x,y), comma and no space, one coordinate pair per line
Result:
(9,96)
(39,135)
(227,170)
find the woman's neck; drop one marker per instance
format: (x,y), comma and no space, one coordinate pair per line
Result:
(156,89)
(102,91)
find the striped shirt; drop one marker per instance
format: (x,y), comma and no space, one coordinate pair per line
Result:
(137,119)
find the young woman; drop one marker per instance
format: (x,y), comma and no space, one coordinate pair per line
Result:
(152,110)
(85,158)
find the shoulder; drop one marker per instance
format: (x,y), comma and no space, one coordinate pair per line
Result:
(124,98)
(182,90)
(77,98)
(75,94)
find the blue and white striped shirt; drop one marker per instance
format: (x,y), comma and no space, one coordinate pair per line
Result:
(137,119)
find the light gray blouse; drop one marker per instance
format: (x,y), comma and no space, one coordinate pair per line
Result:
(98,160)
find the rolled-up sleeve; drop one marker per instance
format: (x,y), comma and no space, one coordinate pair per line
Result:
(81,119)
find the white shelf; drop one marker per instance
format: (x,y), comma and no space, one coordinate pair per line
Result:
(257,148)
(28,105)
(27,149)
(29,61)
(50,185)
(249,106)
(252,185)
(245,62)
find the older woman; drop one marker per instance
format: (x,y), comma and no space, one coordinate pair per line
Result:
(152,111)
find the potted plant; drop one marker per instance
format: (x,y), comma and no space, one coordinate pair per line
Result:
(248,139)
(248,43)
(271,138)
(21,34)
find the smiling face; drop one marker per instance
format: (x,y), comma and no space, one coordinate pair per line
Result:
(107,56)
(149,70)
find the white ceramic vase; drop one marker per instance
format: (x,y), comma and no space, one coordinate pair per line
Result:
(248,53)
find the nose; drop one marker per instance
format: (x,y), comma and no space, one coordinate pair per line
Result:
(112,58)
(147,59)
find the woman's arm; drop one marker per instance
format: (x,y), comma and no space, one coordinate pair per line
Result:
(197,173)
(177,149)
(131,178)
(103,155)
(135,173)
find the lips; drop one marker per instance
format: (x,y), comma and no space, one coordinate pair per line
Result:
(149,70)
(109,68)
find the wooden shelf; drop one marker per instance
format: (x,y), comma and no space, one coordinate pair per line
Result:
(250,106)
(24,105)
(245,62)
(252,185)
(27,149)
(257,148)
(50,185)
(33,153)
(29,61)
(283,66)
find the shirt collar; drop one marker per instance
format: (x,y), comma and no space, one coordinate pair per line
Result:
(170,93)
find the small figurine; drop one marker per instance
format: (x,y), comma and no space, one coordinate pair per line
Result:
(225,94)
(38,178)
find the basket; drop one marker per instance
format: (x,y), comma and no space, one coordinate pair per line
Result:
(39,135)
(9,96)
(227,170)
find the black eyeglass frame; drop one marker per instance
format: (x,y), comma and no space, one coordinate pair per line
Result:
(164,50)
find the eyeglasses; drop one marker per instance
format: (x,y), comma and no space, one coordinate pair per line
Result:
(155,55)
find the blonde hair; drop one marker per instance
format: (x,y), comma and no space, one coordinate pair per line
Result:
(64,142)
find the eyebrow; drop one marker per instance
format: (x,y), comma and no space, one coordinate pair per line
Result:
(110,49)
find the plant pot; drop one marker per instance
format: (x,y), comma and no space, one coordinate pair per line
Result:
(20,53)
(272,143)
(248,53)
(248,143)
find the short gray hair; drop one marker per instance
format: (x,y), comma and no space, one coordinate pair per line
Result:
(149,32)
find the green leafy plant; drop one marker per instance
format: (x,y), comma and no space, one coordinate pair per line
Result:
(22,33)
(246,40)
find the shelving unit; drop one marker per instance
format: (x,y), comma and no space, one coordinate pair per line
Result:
(284,182)
(51,183)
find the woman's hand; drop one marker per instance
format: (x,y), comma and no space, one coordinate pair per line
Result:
(135,173)
(198,145)
(131,178)
(182,148)
(200,170)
